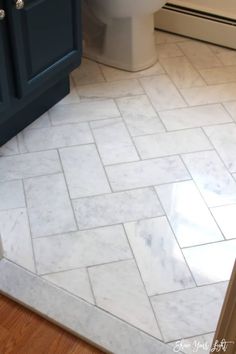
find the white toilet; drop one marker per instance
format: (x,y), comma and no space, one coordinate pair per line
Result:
(120,33)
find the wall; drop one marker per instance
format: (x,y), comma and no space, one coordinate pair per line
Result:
(225,8)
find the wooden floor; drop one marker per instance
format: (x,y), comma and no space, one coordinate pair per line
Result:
(23,332)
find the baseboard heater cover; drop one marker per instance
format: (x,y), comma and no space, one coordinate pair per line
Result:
(197,24)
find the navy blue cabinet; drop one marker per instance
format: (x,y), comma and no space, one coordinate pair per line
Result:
(40,44)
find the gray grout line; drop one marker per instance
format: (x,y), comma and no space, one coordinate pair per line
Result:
(29,226)
(144,286)
(68,191)
(91,286)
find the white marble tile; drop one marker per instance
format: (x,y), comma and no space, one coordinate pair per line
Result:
(117,208)
(112,74)
(209,94)
(162,92)
(55,137)
(81,249)
(113,141)
(190,219)
(219,75)
(72,97)
(223,137)
(225,55)
(199,54)
(168,50)
(199,344)
(225,218)
(49,207)
(193,117)
(213,180)
(29,165)
(11,195)
(88,73)
(94,324)
(146,173)
(84,171)
(10,148)
(75,281)
(16,239)
(159,258)
(173,143)
(119,290)
(139,115)
(83,112)
(42,122)
(211,263)
(182,72)
(231,108)
(189,312)
(112,89)
(165,37)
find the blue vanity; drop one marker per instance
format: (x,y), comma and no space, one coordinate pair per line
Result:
(40,44)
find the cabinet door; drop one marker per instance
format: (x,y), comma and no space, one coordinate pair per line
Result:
(46,41)
(4,89)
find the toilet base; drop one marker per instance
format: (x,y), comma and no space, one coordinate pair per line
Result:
(125,43)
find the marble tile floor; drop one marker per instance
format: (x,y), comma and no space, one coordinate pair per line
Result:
(118,206)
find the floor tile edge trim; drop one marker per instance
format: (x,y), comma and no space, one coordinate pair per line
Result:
(93,324)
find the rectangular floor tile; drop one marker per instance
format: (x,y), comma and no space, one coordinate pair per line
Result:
(190,219)
(199,54)
(49,207)
(84,172)
(158,256)
(16,239)
(165,37)
(55,137)
(11,195)
(219,75)
(113,141)
(29,165)
(117,208)
(211,263)
(139,115)
(223,137)
(162,92)
(83,112)
(189,312)
(182,72)
(193,117)
(147,173)
(113,89)
(212,178)
(81,249)
(164,144)
(231,108)
(225,218)
(119,290)
(113,74)
(210,94)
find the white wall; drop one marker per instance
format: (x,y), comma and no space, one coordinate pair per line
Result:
(220,7)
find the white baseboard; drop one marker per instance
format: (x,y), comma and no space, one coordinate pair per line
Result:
(196,24)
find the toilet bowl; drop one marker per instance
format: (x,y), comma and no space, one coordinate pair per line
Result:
(120,33)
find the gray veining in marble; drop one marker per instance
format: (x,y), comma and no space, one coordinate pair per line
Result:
(49,207)
(189,312)
(225,218)
(116,208)
(83,171)
(80,249)
(158,256)
(146,173)
(11,195)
